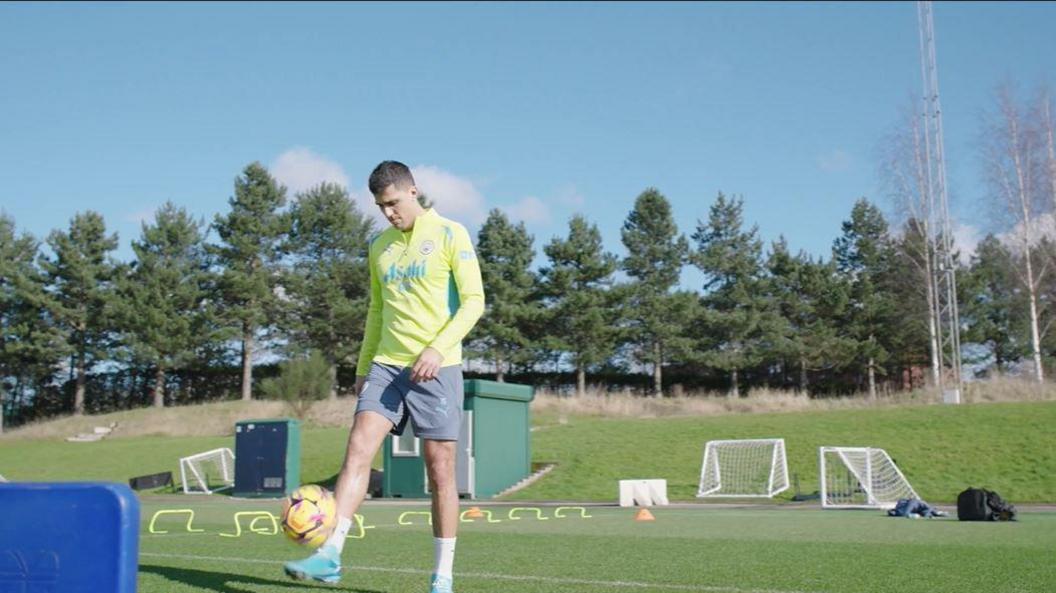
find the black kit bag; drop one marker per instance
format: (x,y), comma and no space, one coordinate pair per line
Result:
(971,505)
(1000,509)
(979,504)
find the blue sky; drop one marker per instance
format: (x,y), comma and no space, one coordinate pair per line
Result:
(543,109)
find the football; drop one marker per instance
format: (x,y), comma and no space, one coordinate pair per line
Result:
(309,515)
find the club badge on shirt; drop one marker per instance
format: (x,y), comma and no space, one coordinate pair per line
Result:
(427,247)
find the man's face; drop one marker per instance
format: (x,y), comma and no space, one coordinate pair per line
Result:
(400,206)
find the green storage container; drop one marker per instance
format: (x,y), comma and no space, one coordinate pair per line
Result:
(494,449)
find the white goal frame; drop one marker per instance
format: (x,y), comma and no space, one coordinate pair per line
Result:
(711,470)
(198,483)
(876,482)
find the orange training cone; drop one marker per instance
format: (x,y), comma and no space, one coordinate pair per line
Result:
(643,514)
(474,513)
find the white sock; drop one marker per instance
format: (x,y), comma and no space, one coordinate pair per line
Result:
(445,555)
(337,538)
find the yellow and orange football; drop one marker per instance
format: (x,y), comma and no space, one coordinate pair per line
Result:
(309,515)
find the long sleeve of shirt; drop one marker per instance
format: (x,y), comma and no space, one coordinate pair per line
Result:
(470,289)
(372,332)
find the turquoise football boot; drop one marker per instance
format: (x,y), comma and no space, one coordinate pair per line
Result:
(323,566)
(441,584)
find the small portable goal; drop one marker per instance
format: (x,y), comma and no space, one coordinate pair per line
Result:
(860,478)
(208,472)
(748,468)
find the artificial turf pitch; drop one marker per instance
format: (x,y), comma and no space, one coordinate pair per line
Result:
(704,548)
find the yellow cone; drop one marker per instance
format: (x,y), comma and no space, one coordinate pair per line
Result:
(644,515)
(474,513)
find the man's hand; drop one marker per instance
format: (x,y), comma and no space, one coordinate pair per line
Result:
(361,380)
(427,366)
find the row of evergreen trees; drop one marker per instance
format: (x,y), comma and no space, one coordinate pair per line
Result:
(80,331)
(762,316)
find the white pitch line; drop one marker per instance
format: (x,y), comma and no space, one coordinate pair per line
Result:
(502,577)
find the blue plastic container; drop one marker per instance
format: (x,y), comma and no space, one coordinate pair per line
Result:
(68,537)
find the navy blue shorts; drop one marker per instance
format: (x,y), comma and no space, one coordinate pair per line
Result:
(433,407)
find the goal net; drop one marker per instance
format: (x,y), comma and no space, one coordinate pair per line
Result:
(208,472)
(744,468)
(860,478)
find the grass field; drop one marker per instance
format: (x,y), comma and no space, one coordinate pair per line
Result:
(118,459)
(718,550)
(1006,447)
(710,548)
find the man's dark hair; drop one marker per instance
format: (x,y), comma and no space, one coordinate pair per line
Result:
(389,173)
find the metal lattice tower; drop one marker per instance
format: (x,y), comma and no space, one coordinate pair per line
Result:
(941,238)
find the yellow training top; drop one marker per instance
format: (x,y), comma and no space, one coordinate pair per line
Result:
(425,290)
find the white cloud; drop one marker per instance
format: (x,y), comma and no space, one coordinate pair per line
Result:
(530,210)
(141,216)
(570,196)
(1042,227)
(364,201)
(299,169)
(834,161)
(455,197)
(965,239)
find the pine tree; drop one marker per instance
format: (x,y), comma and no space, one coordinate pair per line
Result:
(863,256)
(655,256)
(248,258)
(27,343)
(80,283)
(784,275)
(909,285)
(164,307)
(505,253)
(328,277)
(739,318)
(544,350)
(992,308)
(811,300)
(577,284)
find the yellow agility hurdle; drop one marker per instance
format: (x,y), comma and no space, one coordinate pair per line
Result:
(359,522)
(582,512)
(190,519)
(538,513)
(264,530)
(402,516)
(257,515)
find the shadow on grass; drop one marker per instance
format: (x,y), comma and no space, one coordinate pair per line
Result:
(373,486)
(330,482)
(234,583)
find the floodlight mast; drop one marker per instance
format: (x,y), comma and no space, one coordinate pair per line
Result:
(943,278)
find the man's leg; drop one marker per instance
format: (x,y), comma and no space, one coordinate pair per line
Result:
(366,436)
(440,466)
